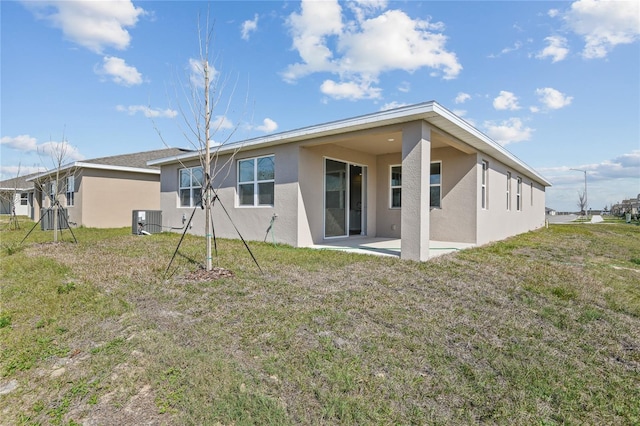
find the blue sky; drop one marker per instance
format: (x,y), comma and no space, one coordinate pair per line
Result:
(557,83)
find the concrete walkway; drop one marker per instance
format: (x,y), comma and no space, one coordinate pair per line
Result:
(386,246)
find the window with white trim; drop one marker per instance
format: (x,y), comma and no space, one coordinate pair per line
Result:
(190,186)
(24,198)
(508,190)
(52,192)
(71,189)
(519,194)
(435,185)
(256,181)
(396,186)
(485,183)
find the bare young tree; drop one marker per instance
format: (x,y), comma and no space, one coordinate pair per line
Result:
(59,183)
(582,203)
(207,91)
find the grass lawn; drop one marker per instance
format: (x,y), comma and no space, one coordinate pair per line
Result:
(539,329)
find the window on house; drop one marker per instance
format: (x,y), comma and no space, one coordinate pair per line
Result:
(508,190)
(190,186)
(519,194)
(485,183)
(396,186)
(531,189)
(24,199)
(435,183)
(71,187)
(52,192)
(256,181)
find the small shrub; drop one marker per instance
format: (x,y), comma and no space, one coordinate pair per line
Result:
(12,248)
(5,320)
(635,260)
(66,288)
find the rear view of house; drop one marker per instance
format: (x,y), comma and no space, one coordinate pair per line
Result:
(418,173)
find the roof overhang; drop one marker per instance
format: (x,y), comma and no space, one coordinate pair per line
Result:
(431,112)
(85,165)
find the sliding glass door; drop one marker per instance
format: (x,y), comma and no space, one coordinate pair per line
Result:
(344,199)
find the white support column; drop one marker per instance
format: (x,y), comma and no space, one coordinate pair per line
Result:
(416,167)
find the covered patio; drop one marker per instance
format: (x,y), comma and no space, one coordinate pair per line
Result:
(388,246)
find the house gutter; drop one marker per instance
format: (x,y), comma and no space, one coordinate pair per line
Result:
(85,165)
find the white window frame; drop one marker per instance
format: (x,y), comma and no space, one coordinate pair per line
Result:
(519,194)
(71,189)
(433,185)
(191,187)
(484,195)
(392,186)
(508,191)
(256,182)
(24,198)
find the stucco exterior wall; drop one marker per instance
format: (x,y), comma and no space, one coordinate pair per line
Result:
(106,198)
(455,220)
(388,224)
(496,222)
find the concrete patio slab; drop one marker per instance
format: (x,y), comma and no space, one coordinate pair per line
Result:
(387,246)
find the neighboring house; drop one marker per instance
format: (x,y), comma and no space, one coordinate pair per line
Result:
(632,206)
(17,193)
(103,192)
(417,173)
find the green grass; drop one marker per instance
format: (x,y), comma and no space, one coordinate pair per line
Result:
(542,328)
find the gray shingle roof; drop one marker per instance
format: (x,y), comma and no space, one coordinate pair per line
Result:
(17,183)
(138,159)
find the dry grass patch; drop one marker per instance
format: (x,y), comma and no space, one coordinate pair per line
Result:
(538,329)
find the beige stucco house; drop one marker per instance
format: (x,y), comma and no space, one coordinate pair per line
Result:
(418,173)
(102,192)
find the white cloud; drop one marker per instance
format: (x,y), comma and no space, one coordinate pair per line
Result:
(392,105)
(27,144)
(506,100)
(553,13)
(462,97)
(604,24)
(350,90)
(9,172)
(552,98)
(147,111)
(119,71)
(509,131)
(556,49)
(221,122)
(268,126)
(459,112)
(94,25)
(24,143)
(359,50)
(404,87)
(248,27)
(196,73)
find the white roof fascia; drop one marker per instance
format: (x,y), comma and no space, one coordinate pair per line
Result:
(428,111)
(80,164)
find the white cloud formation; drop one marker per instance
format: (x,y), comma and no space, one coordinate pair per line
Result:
(9,172)
(552,98)
(392,105)
(351,90)
(27,144)
(508,131)
(459,112)
(268,126)
(516,46)
(556,49)
(359,50)
(506,100)
(119,72)
(94,25)
(221,122)
(196,73)
(604,24)
(248,27)
(462,97)
(147,111)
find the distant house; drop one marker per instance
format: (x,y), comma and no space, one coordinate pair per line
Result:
(631,205)
(417,173)
(103,192)
(17,193)
(550,212)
